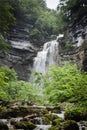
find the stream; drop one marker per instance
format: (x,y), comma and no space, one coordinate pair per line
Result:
(40,126)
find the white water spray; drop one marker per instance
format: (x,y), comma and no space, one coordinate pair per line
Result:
(47,57)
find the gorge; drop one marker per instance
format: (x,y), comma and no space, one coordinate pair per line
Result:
(51,45)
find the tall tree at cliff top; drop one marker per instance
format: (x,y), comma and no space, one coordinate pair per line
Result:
(74,9)
(6,17)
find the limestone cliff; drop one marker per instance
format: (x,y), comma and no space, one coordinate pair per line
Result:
(73,46)
(19,57)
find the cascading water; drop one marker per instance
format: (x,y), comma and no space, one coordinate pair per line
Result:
(47,57)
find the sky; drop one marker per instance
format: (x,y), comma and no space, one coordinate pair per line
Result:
(52,4)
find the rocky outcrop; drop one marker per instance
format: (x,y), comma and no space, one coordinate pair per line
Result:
(22,30)
(73,46)
(75,56)
(19,57)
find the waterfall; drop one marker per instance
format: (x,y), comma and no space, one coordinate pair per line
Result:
(47,57)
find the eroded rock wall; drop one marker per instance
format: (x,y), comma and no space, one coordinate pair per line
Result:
(77,52)
(20,59)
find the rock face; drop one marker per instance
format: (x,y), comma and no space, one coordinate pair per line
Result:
(23,50)
(75,57)
(19,57)
(76,36)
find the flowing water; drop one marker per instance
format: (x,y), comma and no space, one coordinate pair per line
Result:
(47,57)
(42,127)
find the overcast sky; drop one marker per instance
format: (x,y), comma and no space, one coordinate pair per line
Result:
(52,4)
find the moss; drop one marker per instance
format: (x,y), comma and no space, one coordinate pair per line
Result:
(24,125)
(51,117)
(57,121)
(75,113)
(53,128)
(3,126)
(69,125)
(45,121)
(3,110)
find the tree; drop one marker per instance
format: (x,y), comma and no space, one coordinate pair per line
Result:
(74,10)
(6,17)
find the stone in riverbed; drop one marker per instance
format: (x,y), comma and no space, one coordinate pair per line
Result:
(23,111)
(3,126)
(66,125)
(24,125)
(41,120)
(54,109)
(69,125)
(51,117)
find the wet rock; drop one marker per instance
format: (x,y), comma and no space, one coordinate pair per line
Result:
(57,121)
(24,125)
(23,111)
(51,117)
(69,125)
(41,120)
(53,128)
(3,126)
(54,109)
(66,125)
(76,114)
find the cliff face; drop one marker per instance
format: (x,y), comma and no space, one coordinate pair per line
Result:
(73,47)
(22,52)
(19,57)
(75,57)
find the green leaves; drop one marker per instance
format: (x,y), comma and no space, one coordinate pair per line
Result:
(6,17)
(74,9)
(66,83)
(13,89)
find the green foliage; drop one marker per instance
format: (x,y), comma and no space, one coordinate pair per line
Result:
(67,46)
(74,9)
(12,89)
(9,73)
(66,83)
(47,22)
(6,76)
(26,91)
(35,34)
(6,17)
(4,46)
(42,21)
(76,113)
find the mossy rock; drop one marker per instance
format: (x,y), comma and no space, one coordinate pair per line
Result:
(53,128)
(51,117)
(57,121)
(54,109)
(45,121)
(3,126)
(69,125)
(76,114)
(15,112)
(22,111)
(41,120)
(24,125)
(4,103)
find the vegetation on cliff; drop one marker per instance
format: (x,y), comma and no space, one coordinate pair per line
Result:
(73,10)
(41,22)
